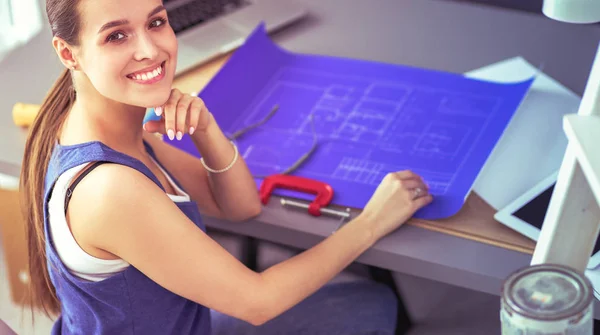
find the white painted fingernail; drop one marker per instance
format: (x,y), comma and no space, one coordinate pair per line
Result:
(192,129)
(179,136)
(171,134)
(158,111)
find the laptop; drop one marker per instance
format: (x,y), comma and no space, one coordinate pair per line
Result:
(207,29)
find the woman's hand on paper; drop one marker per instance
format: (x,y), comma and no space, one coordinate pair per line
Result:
(396,199)
(182,113)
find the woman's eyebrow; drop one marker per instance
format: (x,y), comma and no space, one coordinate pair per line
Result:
(117,23)
(156,10)
(112,24)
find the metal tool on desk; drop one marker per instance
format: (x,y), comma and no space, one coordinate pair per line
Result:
(323,192)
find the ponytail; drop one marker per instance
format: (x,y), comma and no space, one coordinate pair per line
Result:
(40,143)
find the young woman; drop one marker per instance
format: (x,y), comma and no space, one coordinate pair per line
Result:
(117,245)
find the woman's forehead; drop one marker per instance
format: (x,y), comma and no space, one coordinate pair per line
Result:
(97,13)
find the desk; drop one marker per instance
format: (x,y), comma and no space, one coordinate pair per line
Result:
(444,35)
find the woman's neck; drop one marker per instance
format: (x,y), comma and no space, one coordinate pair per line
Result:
(96,118)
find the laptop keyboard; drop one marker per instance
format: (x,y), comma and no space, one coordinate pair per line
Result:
(192,13)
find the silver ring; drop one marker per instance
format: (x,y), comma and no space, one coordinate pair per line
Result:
(417,192)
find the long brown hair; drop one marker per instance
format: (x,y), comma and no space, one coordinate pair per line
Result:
(64,22)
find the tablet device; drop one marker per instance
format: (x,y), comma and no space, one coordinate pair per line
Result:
(526,213)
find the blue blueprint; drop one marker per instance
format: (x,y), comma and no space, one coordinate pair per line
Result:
(369,118)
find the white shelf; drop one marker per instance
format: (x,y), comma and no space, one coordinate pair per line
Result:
(583,133)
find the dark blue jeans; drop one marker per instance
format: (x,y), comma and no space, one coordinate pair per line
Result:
(353,308)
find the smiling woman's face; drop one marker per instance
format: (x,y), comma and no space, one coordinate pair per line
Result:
(128,50)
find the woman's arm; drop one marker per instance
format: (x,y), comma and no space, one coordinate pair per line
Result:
(118,210)
(235,189)
(230,195)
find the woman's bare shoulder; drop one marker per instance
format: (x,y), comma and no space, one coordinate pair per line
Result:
(109,198)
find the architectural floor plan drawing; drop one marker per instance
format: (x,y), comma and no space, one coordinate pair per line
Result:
(369,119)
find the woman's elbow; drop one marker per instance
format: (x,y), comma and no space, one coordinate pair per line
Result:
(246,213)
(259,314)
(258,319)
(254,210)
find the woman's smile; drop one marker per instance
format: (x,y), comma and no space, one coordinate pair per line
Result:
(149,75)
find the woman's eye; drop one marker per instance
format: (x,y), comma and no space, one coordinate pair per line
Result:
(115,37)
(157,23)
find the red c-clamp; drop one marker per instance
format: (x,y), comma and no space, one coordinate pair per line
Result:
(323,192)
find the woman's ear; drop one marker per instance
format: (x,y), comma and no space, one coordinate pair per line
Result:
(65,53)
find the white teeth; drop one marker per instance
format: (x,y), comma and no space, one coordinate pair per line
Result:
(148,75)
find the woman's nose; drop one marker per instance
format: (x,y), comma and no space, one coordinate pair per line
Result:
(146,48)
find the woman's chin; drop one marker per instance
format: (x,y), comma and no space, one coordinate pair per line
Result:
(155,100)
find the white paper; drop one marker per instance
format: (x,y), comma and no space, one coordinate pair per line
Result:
(533,144)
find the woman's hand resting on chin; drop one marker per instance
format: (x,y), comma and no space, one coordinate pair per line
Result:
(182,113)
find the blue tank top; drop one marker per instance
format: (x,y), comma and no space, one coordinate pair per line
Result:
(128,302)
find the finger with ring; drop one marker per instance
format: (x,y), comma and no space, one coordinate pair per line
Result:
(417,192)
